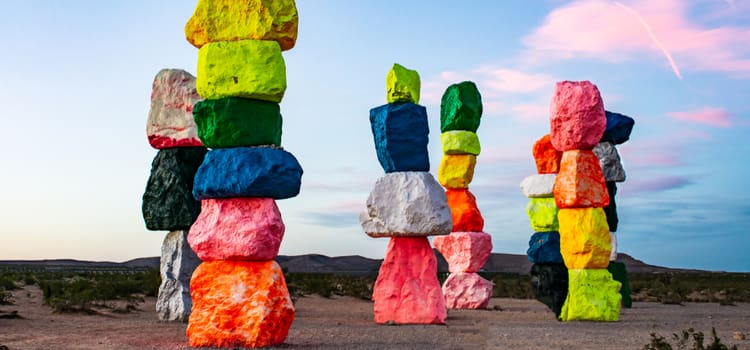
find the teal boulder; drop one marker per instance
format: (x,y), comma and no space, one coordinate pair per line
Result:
(461,107)
(237,122)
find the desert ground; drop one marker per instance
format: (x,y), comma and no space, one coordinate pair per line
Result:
(346,323)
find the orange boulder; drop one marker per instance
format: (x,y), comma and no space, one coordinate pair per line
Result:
(239,304)
(547,158)
(466,215)
(580,183)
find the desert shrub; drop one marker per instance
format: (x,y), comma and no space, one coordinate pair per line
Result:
(510,285)
(327,285)
(687,340)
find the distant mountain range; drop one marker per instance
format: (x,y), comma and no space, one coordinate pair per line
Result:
(316,263)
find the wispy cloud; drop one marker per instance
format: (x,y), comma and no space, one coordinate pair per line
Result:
(716,117)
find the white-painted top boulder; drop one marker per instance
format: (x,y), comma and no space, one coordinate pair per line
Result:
(538,185)
(609,159)
(170,120)
(404,204)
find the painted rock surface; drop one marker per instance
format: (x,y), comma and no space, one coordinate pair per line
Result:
(466,215)
(611,209)
(467,291)
(577,119)
(251,69)
(231,20)
(592,296)
(464,251)
(402,85)
(542,214)
(178,262)
(407,290)
(460,142)
(170,120)
(239,304)
(237,229)
(549,283)
(538,185)
(619,127)
(620,274)
(238,122)
(580,183)
(400,132)
(544,247)
(406,204)
(584,238)
(167,202)
(609,160)
(547,158)
(248,172)
(613,246)
(456,170)
(460,107)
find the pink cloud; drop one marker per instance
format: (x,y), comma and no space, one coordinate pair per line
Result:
(716,117)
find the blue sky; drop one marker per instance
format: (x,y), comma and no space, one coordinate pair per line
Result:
(75,81)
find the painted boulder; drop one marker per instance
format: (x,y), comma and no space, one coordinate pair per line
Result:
(456,170)
(609,160)
(178,262)
(592,296)
(538,185)
(542,213)
(619,127)
(549,283)
(580,183)
(544,247)
(460,142)
(547,158)
(400,132)
(466,215)
(464,251)
(467,291)
(238,122)
(577,119)
(402,85)
(170,120)
(584,238)
(461,107)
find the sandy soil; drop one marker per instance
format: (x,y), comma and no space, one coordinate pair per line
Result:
(346,323)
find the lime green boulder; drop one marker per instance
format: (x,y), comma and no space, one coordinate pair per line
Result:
(402,85)
(461,107)
(542,214)
(460,142)
(247,68)
(620,274)
(237,122)
(592,296)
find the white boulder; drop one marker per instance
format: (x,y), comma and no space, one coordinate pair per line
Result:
(177,264)
(538,185)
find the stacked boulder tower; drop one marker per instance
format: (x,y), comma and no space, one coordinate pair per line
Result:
(467,247)
(240,297)
(407,205)
(549,276)
(168,203)
(577,123)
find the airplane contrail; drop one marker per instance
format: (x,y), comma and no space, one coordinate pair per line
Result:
(653,38)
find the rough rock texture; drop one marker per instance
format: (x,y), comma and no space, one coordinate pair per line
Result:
(178,262)
(613,246)
(466,215)
(609,160)
(620,274)
(538,185)
(584,238)
(461,107)
(249,68)
(544,247)
(239,304)
(456,170)
(618,128)
(167,202)
(611,209)
(547,158)
(580,183)
(592,296)
(237,229)
(577,118)
(467,291)
(542,214)
(248,172)
(400,131)
(402,85)
(231,20)
(460,142)
(170,122)
(464,251)
(238,122)
(549,282)
(407,289)
(406,204)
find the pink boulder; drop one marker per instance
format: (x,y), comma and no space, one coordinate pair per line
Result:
(407,290)
(467,291)
(577,119)
(464,251)
(237,229)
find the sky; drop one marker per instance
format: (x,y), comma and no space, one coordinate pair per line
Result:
(75,83)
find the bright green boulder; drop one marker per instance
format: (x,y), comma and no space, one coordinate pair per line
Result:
(402,85)
(461,107)
(460,142)
(542,214)
(620,274)
(237,122)
(592,296)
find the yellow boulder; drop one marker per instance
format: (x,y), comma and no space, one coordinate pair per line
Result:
(233,20)
(592,296)
(584,238)
(402,85)
(456,170)
(251,69)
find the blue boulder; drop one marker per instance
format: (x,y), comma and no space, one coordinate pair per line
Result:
(544,247)
(618,128)
(248,172)
(401,133)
